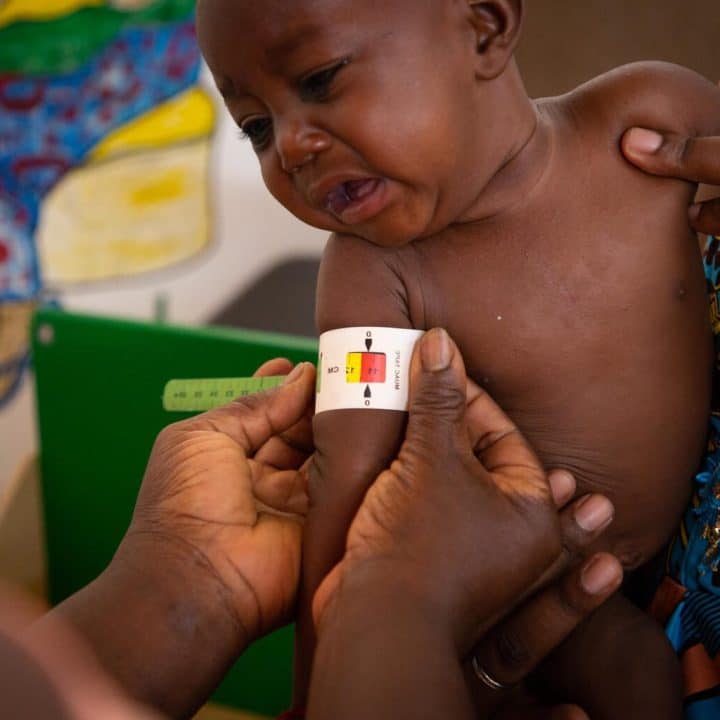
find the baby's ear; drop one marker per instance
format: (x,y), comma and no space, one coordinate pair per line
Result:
(497,30)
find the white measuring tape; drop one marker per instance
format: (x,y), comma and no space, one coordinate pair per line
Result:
(365,367)
(360,367)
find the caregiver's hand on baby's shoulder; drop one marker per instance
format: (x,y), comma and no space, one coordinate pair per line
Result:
(690,158)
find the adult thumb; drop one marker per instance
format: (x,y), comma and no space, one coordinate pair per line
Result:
(437,399)
(696,159)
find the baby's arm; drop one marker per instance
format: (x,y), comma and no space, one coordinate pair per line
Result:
(359,285)
(681,102)
(656,95)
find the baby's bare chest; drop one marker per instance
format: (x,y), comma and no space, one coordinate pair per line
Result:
(567,295)
(590,328)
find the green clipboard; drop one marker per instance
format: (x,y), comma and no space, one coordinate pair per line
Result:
(99,384)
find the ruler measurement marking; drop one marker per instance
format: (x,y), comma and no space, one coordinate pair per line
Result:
(200,394)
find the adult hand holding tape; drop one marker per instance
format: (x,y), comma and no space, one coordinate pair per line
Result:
(211,558)
(445,543)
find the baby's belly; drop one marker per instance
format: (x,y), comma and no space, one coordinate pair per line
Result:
(601,355)
(623,405)
(643,458)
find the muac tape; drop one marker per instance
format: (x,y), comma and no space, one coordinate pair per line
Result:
(360,367)
(365,368)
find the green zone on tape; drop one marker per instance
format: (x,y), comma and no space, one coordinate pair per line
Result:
(206,393)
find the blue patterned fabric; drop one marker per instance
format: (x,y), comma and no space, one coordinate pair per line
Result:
(694,556)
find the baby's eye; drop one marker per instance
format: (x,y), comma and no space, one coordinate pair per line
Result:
(257,130)
(316,86)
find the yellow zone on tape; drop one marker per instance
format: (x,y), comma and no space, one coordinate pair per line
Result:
(353,367)
(203,394)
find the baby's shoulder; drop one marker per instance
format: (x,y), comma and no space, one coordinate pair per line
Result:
(651,94)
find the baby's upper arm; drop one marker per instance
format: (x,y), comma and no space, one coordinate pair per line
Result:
(359,285)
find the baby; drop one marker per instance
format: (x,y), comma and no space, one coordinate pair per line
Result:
(570,280)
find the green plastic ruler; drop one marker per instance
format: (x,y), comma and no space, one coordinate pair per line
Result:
(198,395)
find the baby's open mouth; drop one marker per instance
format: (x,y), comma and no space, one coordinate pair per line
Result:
(352,191)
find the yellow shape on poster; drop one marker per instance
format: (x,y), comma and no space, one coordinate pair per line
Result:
(188,116)
(127,215)
(14,10)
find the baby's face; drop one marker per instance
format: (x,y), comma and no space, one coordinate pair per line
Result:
(362,112)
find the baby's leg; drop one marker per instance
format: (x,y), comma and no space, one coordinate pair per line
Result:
(617,664)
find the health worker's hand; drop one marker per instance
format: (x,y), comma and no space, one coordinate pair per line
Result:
(458,531)
(228,488)
(696,159)
(211,560)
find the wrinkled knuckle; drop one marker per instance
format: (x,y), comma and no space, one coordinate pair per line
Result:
(534,502)
(681,151)
(440,400)
(248,403)
(512,656)
(165,435)
(169,435)
(422,451)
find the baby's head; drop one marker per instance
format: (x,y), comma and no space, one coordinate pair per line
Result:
(377,118)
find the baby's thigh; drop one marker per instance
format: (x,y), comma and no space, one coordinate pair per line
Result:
(616,664)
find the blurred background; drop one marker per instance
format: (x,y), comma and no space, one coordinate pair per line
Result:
(125,190)
(565,43)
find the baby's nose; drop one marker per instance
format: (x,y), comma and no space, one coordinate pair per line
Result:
(298,144)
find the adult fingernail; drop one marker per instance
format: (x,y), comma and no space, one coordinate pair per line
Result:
(600,574)
(694,211)
(435,350)
(594,513)
(644,141)
(294,374)
(562,486)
